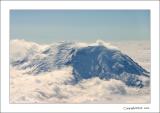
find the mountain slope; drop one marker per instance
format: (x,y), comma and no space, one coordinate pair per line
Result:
(95,60)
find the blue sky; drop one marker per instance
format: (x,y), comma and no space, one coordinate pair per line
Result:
(47,26)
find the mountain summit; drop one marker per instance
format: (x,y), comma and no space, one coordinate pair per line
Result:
(93,60)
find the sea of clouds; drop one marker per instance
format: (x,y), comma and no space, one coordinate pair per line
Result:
(57,86)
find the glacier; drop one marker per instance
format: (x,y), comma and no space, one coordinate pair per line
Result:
(87,61)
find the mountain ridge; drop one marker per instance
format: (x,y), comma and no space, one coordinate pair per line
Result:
(94,60)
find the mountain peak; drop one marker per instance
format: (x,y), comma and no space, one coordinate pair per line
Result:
(99,59)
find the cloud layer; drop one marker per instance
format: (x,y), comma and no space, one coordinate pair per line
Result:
(58,86)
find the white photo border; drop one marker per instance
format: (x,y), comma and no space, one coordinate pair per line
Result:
(6,6)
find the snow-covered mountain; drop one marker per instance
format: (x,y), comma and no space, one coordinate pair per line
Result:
(87,60)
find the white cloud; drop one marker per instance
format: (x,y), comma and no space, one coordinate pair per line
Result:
(97,43)
(55,87)
(20,48)
(106,44)
(58,86)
